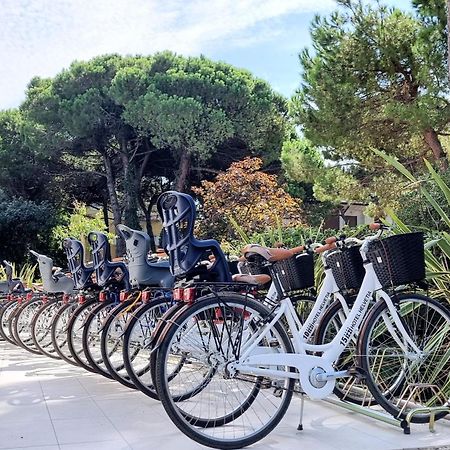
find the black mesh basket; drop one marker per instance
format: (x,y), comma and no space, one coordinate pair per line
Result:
(347,267)
(295,273)
(398,259)
(252,268)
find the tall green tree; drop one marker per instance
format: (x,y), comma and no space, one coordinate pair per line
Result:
(194,108)
(136,124)
(24,170)
(377,78)
(80,118)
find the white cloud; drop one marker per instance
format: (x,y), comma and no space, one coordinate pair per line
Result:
(40,37)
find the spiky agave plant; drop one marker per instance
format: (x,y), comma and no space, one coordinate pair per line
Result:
(437,263)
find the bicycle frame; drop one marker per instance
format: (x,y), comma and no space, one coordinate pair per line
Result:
(316,373)
(328,292)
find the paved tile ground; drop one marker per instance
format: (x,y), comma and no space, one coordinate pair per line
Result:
(49,405)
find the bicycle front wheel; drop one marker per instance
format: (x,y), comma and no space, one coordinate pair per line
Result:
(400,378)
(41,328)
(224,410)
(350,389)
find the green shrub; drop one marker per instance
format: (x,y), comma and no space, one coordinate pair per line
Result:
(23,225)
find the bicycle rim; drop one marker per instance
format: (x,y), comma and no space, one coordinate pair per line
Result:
(400,380)
(223,410)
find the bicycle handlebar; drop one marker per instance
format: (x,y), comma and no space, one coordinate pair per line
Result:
(342,241)
(326,247)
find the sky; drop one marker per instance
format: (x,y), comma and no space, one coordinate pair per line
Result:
(41,37)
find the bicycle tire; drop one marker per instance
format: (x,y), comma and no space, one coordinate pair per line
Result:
(59,331)
(22,325)
(141,376)
(42,321)
(5,314)
(92,339)
(220,312)
(112,341)
(77,321)
(391,374)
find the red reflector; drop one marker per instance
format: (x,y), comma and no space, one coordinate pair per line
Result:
(146,296)
(123,296)
(178,294)
(102,296)
(66,298)
(81,299)
(29,295)
(189,295)
(44,299)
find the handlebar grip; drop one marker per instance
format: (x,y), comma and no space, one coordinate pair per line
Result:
(375,226)
(331,240)
(325,247)
(298,249)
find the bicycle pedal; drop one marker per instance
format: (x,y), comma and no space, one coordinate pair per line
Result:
(357,372)
(266,384)
(278,392)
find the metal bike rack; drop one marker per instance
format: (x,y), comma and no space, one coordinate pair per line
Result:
(382,416)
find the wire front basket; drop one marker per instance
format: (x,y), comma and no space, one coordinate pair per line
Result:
(398,259)
(347,267)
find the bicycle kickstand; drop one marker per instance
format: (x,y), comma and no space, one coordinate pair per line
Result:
(302,405)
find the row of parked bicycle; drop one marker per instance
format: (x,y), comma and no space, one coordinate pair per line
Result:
(224,353)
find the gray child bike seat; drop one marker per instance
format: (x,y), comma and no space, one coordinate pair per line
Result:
(142,271)
(10,284)
(53,282)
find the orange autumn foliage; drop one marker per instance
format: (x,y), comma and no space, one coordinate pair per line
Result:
(253,198)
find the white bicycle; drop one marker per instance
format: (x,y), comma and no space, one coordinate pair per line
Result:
(403,352)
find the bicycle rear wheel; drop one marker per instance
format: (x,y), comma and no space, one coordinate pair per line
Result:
(402,381)
(75,329)
(59,326)
(137,343)
(225,410)
(112,341)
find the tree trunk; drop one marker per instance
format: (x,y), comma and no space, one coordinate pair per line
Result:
(432,140)
(105,212)
(131,190)
(183,172)
(117,215)
(147,210)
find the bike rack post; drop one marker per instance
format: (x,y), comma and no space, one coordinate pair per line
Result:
(431,411)
(378,415)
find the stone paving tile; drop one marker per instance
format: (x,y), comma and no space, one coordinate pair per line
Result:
(48,404)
